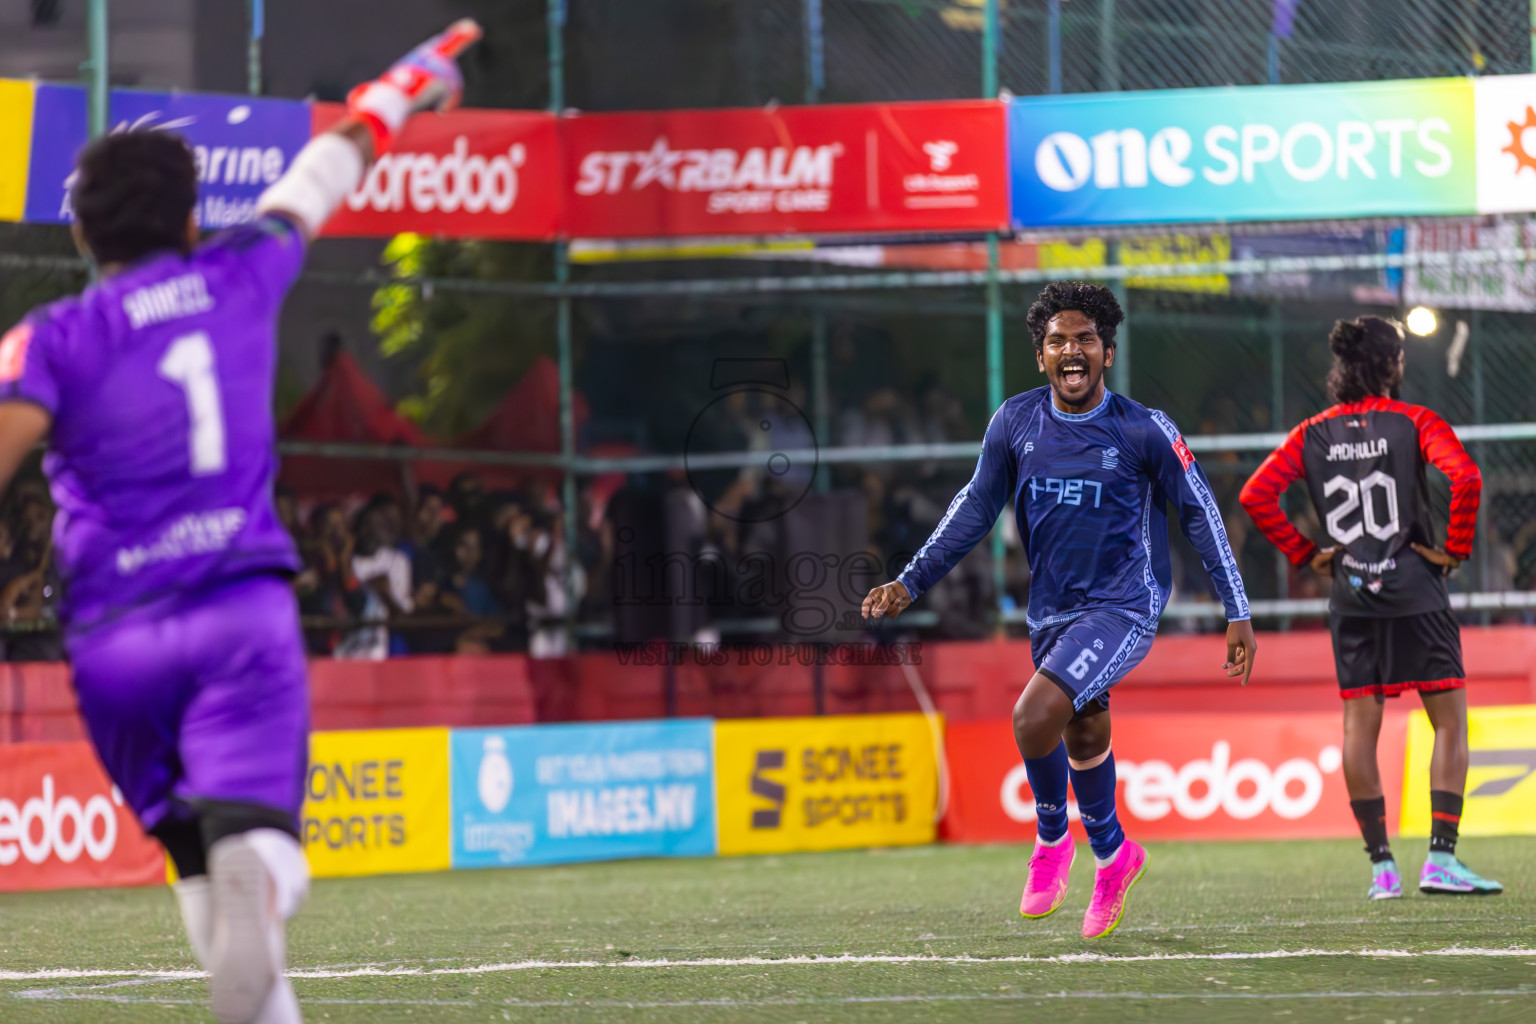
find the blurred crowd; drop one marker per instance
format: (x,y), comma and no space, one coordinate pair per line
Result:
(467,569)
(456,571)
(29,583)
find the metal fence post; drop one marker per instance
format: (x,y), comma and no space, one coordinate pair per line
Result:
(1120,373)
(821,418)
(1053,45)
(815,51)
(989,37)
(99,65)
(1276,326)
(253,51)
(563,339)
(994,402)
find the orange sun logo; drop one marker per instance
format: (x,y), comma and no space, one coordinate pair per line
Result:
(1516,147)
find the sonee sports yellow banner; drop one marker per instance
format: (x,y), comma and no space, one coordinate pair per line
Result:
(1501,778)
(787,784)
(16,101)
(376,802)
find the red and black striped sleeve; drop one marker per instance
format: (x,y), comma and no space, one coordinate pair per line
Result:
(1261,497)
(1442,449)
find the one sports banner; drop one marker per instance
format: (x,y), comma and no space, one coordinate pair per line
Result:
(1181,776)
(376,802)
(15,146)
(465,174)
(825,783)
(554,794)
(63,825)
(242,145)
(1250,153)
(800,170)
(1501,773)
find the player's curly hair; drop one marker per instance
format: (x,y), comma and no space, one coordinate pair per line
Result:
(1365,353)
(1094,301)
(133,194)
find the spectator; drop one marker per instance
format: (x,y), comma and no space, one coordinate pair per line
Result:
(287,503)
(547,609)
(423,545)
(384,573)
(466,591)
(327,587)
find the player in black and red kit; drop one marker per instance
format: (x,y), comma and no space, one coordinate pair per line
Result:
(1364,462)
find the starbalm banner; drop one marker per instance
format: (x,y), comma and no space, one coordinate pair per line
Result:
(786,170)
(1260,153)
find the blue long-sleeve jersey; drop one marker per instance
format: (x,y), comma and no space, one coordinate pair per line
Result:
(1091,492)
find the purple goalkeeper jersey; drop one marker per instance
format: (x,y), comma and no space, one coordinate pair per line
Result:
(161,459)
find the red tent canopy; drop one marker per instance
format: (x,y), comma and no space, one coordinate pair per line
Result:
(527,419)
(345,407)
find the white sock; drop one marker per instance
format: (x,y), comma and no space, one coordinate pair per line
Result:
(1103,862)
(282,1006)
(284,861)
(1054,842)
(195,897)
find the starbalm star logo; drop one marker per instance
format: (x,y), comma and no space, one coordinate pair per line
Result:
(1516,147)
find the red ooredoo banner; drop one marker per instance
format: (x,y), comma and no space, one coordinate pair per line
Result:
(797,170)
(465,174)
(63,825)
(1181,777)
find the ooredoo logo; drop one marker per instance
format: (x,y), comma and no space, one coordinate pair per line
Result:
(458,180)
(1199,788)
(65,828)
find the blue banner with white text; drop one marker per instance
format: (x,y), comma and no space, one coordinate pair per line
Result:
(553,794)
(241,144)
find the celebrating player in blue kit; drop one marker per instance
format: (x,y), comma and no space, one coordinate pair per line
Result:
(154,388)
(1090,474)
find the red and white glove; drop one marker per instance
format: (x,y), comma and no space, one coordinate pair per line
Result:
(427,78)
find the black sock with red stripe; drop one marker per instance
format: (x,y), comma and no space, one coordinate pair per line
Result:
(1445,820)
(1371,816)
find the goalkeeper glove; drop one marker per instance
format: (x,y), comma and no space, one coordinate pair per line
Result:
(427,78)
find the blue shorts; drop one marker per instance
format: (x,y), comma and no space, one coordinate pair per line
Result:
(1089,654)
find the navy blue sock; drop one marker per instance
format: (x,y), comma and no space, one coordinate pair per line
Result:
(1048,778)
(1095,789)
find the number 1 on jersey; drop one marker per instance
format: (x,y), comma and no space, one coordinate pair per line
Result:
(189,364)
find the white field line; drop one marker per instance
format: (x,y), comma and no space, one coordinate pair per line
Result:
(50,995)
(367,971)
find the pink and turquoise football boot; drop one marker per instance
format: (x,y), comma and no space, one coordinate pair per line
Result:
(1110,887)
(1049,868)
(1443,874)
(1386,881)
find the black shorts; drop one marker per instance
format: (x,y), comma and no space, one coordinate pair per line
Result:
(1387,656)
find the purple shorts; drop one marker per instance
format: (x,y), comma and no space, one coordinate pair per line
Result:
(208,702)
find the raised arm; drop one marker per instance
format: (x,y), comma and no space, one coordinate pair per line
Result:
(970,517)
(332,165)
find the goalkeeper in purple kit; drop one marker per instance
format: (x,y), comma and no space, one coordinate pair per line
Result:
(154,390)
(1091,474)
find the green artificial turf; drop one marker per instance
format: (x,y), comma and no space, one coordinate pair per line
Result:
(931,902)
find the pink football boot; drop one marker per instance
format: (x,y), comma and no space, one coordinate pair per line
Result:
(1049,869)
(1110,887)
